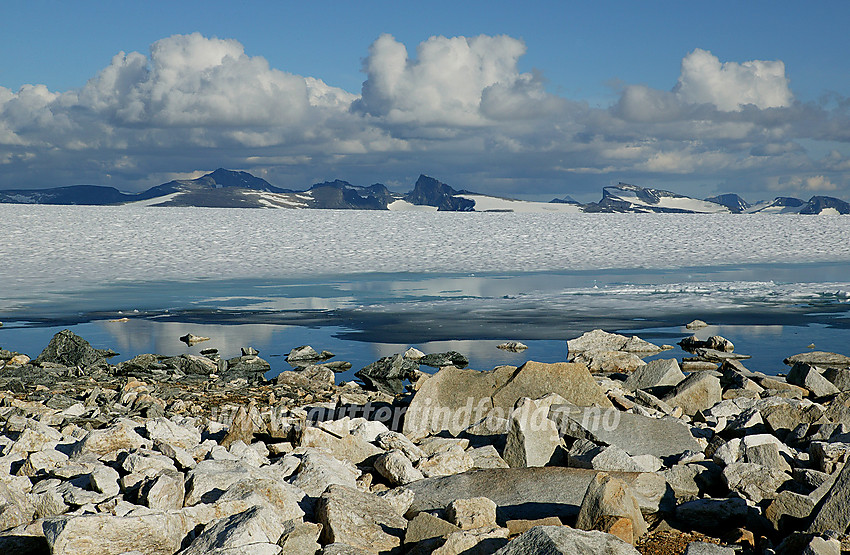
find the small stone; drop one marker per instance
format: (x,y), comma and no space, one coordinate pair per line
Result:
(425,527)
(512,346)
(105,480)
(397,468)
(241,428)
(446,463)
(477,512)
(191,339)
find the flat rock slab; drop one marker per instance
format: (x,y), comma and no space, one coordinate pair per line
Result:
(359,519)
(528,493)
(557,540)
(105,534)
(633,433)
(654,373)
(453,399)
(819,358)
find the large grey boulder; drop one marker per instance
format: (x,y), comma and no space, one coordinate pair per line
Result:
(453,399)
(256,530)
(121,435)
(820,358)
(16,506)
(388,373)
(425,526)
(655,373)
(609,361)
(319,470)
(585,454)
(808,376)
(156,533)
(699,391)
(532,438)
(713,512)
(833,510)
(69,349)
(563,540)
(348,447)
(165,431)
(359,519)
(528,493)
(599,340)
(754,481)
(609,498)
(634,433)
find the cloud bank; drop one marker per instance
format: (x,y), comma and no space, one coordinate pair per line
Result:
(459,109)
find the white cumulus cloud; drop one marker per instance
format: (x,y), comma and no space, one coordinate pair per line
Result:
(730,85)
(459,81)
(458,108)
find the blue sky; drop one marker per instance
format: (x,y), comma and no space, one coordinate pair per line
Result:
(562,98)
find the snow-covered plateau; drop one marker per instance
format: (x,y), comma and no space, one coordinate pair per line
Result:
(59,247)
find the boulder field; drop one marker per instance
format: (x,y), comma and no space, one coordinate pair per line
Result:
(601,453)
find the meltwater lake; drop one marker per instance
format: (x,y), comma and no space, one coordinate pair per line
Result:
(369,284)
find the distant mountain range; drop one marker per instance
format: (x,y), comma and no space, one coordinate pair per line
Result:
(233,189)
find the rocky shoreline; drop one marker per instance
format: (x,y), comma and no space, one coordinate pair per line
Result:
(601,453)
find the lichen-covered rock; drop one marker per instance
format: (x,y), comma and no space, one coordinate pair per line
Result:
(563,540)
(359,519)
(475,512)
(608,497)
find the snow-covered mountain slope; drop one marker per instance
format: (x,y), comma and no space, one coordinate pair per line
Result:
(484,203)
(631,198)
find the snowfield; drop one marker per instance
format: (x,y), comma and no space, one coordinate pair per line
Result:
(669,202)
(484,203)
(59,248)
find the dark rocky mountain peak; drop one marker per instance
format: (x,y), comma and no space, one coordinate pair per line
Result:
(335,184)
(788,201)
(566,200)
(650,196)
(818,204)
(229,178)
(428,191)
(72,194)
(731,201)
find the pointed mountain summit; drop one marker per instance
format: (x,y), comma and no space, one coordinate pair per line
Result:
(430,192)
(731,201)
(825,205)
(343,195)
